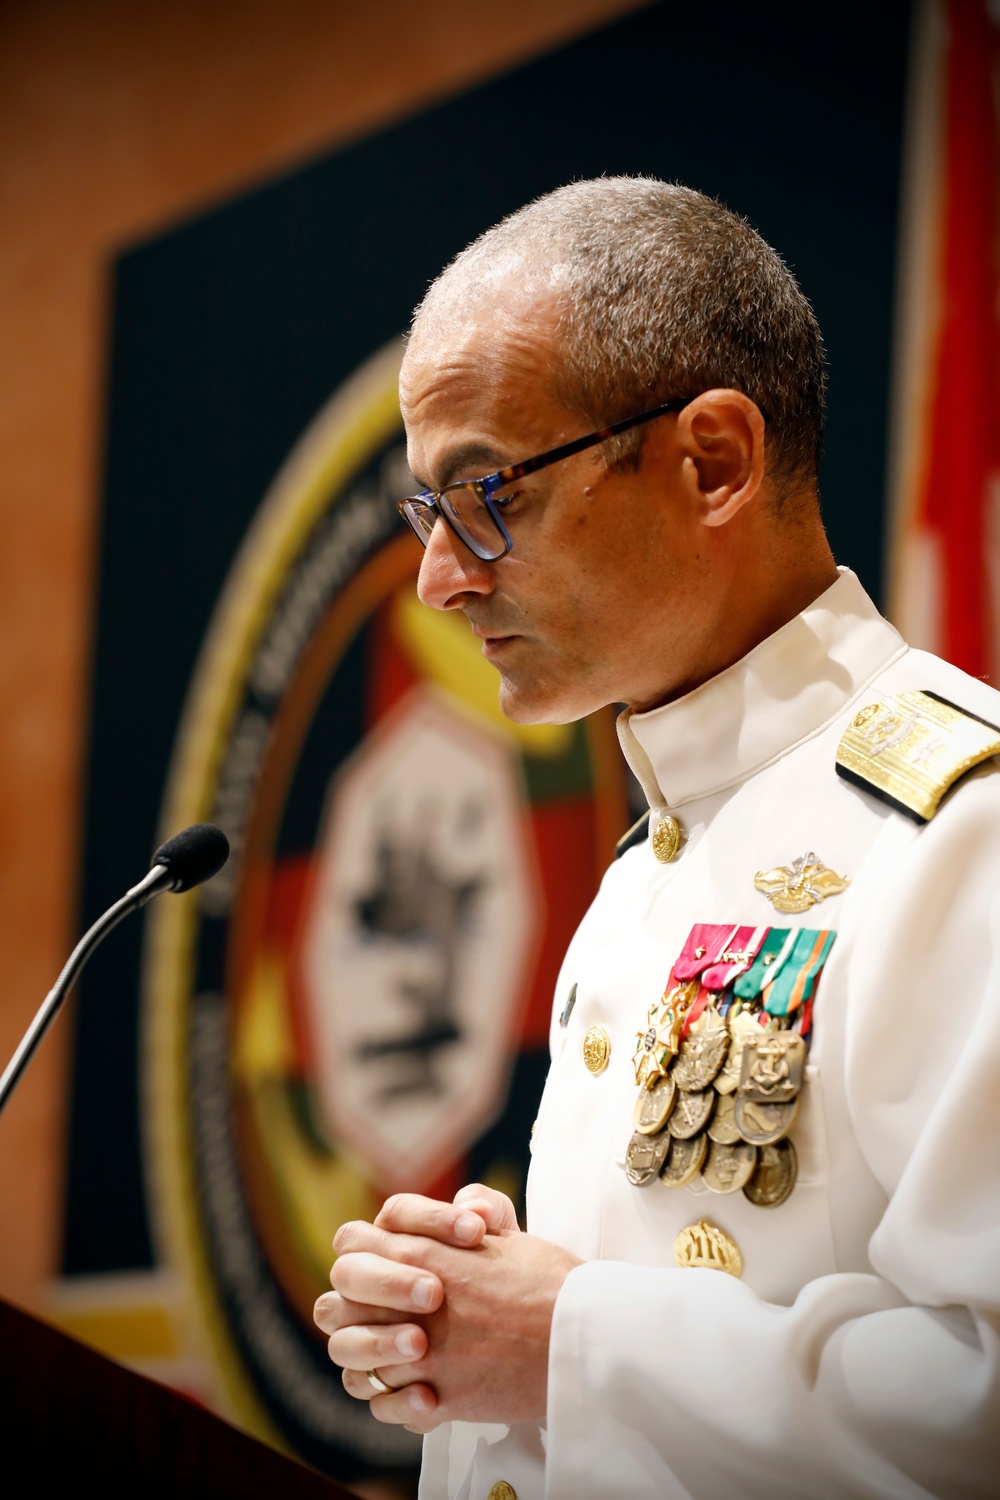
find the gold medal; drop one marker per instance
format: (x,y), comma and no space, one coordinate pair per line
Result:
(654,1105)
(722,1127)
(691,1113)
(702,1052)
(777,1169)
(644,1156)
(657,1042)
(771,1067)
(684,1162)
(728,1168)
(763,1124)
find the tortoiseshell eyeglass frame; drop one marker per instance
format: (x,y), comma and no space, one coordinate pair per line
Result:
(421,511)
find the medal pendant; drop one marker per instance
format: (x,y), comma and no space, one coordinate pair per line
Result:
(644,1156)
(777,1169)
(684,1162)
(771,1067)
(702,1052)
(728,1168)
(763,1124)
(691,1113)
(654,1105)
(657,1043)
(741,1027)
(722,1127)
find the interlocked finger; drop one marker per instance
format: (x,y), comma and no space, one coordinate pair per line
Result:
(379,1282)
(364,1347)
(410,1406)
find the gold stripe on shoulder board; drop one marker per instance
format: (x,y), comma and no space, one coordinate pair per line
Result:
(908,749)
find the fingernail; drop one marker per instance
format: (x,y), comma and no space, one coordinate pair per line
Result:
(467,1227)
(417,1401)
(406,1343)
(423,1294)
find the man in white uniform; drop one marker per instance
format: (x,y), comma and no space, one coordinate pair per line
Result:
(805,1302)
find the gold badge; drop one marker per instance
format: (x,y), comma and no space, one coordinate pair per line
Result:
(803,883)
(666,838)
(597,1049)
(706,1246)
(502,1491)
(911,747)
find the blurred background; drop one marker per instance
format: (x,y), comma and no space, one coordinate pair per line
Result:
(216,219)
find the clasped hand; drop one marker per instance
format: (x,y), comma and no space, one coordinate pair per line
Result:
(451,1304)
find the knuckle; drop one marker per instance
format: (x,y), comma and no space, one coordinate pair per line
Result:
(388,1284)
(347,1236)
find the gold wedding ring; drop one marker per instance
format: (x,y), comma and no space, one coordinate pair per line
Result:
(383,1388)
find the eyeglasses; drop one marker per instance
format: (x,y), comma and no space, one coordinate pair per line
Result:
(469,506)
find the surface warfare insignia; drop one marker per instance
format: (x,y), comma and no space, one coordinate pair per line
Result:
(908,749)
(721,1062)
(795,887)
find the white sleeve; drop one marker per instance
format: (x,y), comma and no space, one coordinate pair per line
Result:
(667,1382)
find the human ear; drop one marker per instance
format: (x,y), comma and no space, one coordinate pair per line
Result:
(721,436)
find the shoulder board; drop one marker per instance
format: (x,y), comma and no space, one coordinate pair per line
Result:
(636,835)
(908,749)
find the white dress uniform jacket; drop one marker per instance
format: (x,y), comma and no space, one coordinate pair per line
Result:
(859,1355)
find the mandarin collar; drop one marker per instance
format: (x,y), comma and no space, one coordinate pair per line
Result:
(782,692)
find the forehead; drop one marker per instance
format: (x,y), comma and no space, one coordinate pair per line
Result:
(476,390)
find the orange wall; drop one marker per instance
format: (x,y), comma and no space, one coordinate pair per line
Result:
(115,118)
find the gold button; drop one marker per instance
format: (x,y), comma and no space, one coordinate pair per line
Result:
(666,838)
(597,1049)
(707,1246)
(502,1491)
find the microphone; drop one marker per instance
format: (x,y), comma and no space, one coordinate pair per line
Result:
(191,856)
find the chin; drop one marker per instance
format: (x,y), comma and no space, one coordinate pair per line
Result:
(533,706)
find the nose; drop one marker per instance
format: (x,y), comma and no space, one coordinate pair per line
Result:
(450,572)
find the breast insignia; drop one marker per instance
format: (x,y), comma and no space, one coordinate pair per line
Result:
(708,1247)
(908,749)
(796,887)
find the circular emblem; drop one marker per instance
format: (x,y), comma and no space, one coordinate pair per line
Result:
(666,839)
(359,1002)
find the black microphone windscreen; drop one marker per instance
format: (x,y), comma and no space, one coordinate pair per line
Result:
(193,855)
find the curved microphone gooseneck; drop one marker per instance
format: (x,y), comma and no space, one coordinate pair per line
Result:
(191,856)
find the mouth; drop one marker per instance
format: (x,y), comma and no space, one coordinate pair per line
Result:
(493,645)
(495,640)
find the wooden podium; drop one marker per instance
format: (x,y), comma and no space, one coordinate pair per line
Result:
(70,1417)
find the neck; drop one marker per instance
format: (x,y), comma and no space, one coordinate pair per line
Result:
(751,600)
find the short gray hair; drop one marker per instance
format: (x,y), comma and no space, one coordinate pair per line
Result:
(661,292)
